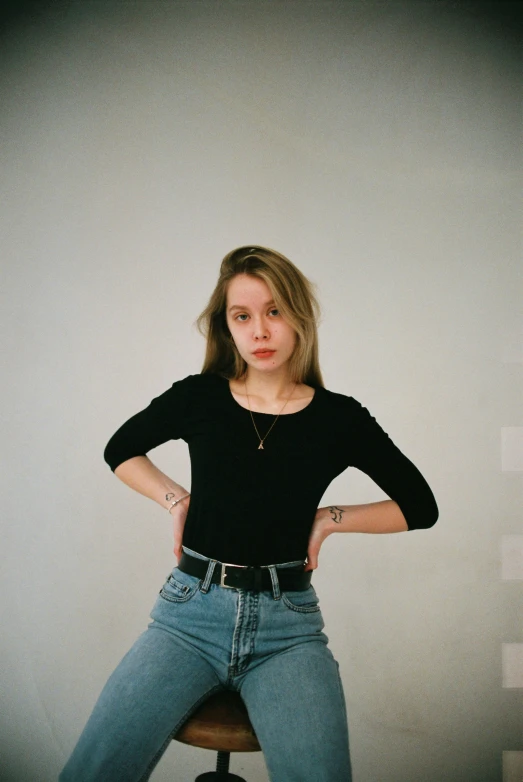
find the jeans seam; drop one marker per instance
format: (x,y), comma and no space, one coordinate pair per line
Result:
(305,609)
(342,694)
(235,637)
(170,599)
(252,598)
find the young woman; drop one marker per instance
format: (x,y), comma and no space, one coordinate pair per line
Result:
(265,440)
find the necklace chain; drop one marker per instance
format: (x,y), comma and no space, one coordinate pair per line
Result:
(262,440)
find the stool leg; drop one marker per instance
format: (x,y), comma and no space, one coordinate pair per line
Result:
(222,771)
(222,762)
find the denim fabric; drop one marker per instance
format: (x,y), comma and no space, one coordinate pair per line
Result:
(269,646)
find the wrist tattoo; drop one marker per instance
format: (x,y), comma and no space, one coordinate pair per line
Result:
(170,496)
(336,513)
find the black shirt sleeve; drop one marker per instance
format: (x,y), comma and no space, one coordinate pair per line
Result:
(373,452)
(162,420)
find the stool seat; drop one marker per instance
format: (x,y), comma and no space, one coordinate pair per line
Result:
(220,723)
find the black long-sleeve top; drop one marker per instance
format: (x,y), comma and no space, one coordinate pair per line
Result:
(250,506)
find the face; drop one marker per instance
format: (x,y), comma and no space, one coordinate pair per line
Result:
(255,323)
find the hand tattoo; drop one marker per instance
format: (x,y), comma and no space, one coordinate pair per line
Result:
(336,513)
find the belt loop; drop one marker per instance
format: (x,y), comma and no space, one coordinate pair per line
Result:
(275,583)
(208,576)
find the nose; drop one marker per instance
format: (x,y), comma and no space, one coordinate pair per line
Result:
(261,329)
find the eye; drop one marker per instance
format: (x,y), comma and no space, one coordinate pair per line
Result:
(241,315)
(276,311)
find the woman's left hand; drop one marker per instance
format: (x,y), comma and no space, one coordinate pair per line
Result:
(320,530)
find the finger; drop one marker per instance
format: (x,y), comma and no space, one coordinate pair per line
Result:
(312,560)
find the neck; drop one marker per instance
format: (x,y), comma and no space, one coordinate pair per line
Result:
(269,385)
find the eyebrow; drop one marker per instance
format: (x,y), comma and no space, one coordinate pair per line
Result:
(243,307)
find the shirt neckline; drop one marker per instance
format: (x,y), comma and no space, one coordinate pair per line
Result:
(255,412)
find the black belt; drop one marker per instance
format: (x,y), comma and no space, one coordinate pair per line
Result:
(256,579)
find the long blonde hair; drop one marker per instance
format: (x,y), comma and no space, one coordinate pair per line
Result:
(294,297)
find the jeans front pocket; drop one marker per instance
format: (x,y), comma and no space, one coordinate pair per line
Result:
(180,587)
(304,602)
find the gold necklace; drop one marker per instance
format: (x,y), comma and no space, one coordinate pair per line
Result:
(262,440)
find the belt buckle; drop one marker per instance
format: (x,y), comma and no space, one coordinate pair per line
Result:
(223,574)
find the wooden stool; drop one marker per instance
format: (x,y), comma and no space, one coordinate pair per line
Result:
(220,723)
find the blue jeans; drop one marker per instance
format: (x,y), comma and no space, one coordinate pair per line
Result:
(268,646)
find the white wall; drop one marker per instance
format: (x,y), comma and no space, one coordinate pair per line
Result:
(375,144)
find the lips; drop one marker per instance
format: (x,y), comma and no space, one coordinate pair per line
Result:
(263,352)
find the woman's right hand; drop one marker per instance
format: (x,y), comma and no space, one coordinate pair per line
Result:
(179,514)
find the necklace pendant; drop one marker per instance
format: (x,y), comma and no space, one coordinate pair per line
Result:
(260,446)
